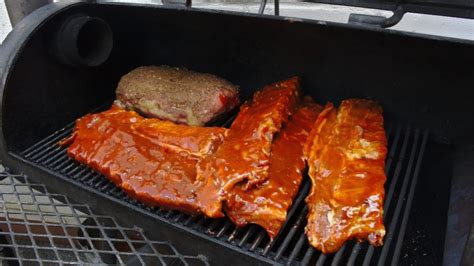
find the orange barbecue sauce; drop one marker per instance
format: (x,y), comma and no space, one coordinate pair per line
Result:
(245,153)
(158,171)
(267,204)
(346,153)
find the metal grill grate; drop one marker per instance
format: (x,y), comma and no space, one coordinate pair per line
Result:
(406,149)
(38,227)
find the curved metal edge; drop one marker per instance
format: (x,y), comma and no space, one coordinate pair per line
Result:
(13,46)
(468,256)
(18,9)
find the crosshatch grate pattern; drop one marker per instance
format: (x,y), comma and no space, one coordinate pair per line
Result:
(406,147)
(38,227)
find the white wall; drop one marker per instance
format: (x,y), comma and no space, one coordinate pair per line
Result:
(5,26)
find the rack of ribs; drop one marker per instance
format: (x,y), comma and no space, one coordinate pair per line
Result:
(346,152)
(244,154)
(267,204)
(123,146)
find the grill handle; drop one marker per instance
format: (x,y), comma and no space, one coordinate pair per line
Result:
(378,21)
(185,3)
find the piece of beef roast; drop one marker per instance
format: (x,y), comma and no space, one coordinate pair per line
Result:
(176,94)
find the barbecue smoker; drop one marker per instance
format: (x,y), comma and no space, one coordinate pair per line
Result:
(65,60)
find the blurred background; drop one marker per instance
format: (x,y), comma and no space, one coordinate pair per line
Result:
(427,24)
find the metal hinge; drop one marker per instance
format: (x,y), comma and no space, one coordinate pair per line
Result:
(184,3)
(378,21)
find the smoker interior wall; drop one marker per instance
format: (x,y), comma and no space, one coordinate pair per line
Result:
(423,81)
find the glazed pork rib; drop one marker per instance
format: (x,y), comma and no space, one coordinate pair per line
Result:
(267,205)
(158,171)
(346,153)
(244,154)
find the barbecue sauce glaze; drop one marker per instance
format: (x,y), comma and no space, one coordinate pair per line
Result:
(244,155)
(123,146)
(268,203)
(346,153)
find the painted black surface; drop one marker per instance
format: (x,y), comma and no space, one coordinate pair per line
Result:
(82,41)
(430,207)
(424,81)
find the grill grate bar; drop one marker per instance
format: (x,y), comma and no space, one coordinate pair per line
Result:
(87,174)
(393,182)
(61,162)
(299,199)
(234,234)
(38,154)
(296,205)
(411,194)
(338,255)
(54,158)
(50,139)
(321,260)
(247,234)
(354,253)
(213,226)
(307,256)
(291,233)
(393,222)
(69,168)
(46,153)
(296,250)
(258,240)
(72,169)
(224,228)
(391,155)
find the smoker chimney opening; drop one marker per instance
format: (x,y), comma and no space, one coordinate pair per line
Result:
(84,41)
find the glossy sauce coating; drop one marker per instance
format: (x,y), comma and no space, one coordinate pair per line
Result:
(153,173)
(244,154)
(198,141)
(346,153)
(267,204)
